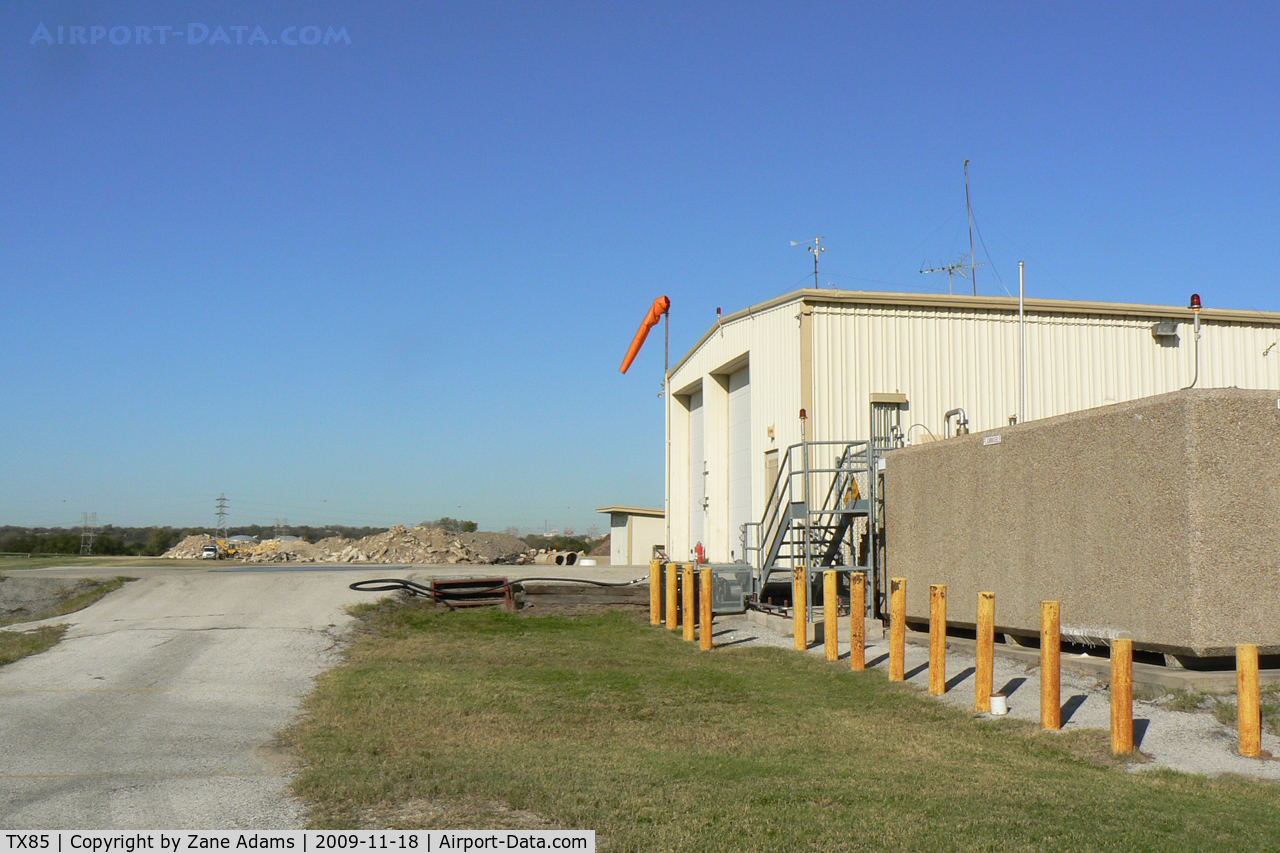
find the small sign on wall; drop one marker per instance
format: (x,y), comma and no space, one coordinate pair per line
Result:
(991,439)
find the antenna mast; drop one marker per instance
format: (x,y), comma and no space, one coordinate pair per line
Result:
(953,269)
(817,248)
(969,209)
(958,267)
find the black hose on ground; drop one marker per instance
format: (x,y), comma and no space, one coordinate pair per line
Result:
(444,596)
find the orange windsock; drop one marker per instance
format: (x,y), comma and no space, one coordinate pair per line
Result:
(660,306)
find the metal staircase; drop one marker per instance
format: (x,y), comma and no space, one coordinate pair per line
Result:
(821,506)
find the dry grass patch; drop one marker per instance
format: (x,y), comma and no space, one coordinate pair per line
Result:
(604,723)
(16,645)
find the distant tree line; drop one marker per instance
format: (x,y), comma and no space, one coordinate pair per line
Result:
(452,525)
(151,541)
(557,543)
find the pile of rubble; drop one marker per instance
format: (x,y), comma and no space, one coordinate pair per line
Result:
(397,545)
(190,548)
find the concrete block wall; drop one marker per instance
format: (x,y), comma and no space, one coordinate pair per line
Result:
(1156,519)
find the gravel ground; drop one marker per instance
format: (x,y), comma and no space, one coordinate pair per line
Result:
(1192,742)
(24,597)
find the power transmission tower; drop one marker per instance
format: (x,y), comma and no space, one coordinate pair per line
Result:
(221,506)
(88,529)
(281,524)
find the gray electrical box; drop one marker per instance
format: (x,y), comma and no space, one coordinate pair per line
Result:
(730,587)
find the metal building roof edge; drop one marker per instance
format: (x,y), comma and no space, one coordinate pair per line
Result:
(813,296)
(634,510)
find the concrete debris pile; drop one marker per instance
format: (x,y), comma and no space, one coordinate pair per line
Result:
(398,545)
(190,548)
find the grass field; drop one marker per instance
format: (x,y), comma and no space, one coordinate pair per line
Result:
(493,720)
(20,563)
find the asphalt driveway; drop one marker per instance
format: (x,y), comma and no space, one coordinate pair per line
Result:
(158,708)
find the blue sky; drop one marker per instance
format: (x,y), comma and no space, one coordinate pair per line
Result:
(390,280)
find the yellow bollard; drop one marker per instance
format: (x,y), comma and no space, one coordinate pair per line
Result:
(655,592)
(984,651)
(673,597)
(857,622)
(1050,666)
(1122,697)
(937,639)
(830,616)
(799,606)
(897,628)
(704,610)
(687,603)
(1248,711)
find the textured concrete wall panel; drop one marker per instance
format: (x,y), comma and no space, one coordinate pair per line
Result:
(1157,519)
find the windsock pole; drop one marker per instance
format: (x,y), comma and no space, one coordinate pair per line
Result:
(660,311)
(666,402)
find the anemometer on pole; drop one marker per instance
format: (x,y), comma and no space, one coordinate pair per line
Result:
(817,248)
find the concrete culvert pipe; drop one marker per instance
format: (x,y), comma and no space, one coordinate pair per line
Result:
(570,558)
(559,559)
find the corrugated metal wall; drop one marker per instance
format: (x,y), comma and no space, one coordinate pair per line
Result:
(941,357)
(947,358)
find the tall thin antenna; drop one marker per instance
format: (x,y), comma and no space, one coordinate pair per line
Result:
(969,209)
(958,267)
(88,529)
(817,248)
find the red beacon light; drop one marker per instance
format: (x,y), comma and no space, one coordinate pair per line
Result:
(1195,302)
(802,415)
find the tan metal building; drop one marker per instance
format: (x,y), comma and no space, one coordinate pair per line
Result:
(634,534)
(737,394)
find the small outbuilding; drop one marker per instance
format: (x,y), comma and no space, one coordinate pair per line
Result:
(636,534)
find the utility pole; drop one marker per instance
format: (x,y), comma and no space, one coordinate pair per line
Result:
(88,529)
(1022,350)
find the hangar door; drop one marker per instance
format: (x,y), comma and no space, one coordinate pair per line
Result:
(739,459)
(697,472)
